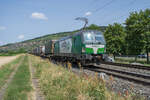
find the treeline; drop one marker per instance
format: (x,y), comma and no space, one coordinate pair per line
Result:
(130,38)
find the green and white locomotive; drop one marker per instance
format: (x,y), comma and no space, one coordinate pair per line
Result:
(86,46)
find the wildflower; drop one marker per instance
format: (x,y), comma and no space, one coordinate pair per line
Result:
(119,93)
(111,78)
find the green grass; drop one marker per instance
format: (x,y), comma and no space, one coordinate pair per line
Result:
(20,85)
(7,54)
(7,69)
(57,83)
(128,61)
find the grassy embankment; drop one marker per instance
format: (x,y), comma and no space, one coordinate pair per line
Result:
(7,69)
(20,86)
(57,83)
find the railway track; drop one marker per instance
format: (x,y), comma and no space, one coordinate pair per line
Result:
(121,73)
(128,65)
(127,75)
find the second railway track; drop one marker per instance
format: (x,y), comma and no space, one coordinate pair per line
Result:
(128,65)
(121,73)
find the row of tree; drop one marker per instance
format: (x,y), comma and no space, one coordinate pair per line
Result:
(131,38)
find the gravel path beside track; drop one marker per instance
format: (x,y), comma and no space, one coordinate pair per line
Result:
(36,94)
(3,89)
(4,60)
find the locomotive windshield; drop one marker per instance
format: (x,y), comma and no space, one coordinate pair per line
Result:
(88,37)
(91,37)
(100,38)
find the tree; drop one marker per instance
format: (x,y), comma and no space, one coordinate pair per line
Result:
(115,39)
(96,27)
(93,27)
(146,25)
(138,32)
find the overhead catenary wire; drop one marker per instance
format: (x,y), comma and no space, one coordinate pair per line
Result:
(88,6)
(106,5)
(123,15)
(130,3)
(102,7)
(82,10)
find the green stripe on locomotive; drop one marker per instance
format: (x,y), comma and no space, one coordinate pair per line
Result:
(94,49)
(89,50)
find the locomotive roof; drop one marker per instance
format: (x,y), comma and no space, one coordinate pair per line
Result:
(77,33)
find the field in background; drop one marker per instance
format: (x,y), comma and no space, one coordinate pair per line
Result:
(129,60)
(7,54)
(12,53)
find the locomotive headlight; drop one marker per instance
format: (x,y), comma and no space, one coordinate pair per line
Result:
(83,50)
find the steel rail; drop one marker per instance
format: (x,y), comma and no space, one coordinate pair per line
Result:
(137,78)
(128,65)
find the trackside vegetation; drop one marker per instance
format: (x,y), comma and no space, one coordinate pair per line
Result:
(115,45)
(20,86)
(58,83)
(132,38)
(7,69)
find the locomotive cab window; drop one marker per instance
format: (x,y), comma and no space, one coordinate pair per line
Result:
(88,37)
(93,37)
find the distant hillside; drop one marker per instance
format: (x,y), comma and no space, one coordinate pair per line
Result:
(32,43)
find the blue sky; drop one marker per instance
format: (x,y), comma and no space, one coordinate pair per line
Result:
(26,19)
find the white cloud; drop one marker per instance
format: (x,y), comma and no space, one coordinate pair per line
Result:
(37,15)
(21,36)
(88,13)
(2,28)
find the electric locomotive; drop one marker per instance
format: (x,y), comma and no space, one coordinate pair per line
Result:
(86,47)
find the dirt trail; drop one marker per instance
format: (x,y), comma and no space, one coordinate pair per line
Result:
(4,59)
(3,89)
(36,93)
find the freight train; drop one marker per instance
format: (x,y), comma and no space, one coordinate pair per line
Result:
(85,47)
